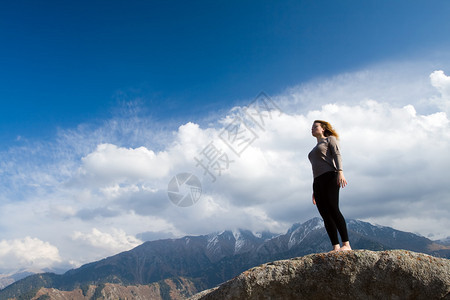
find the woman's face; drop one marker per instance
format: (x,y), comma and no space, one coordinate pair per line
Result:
(317,130)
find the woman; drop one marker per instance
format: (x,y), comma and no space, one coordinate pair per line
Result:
(326,163)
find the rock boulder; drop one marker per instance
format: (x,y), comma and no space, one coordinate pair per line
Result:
(360,274)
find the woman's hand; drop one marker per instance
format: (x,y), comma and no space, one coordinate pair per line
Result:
(341,181)
(313,199)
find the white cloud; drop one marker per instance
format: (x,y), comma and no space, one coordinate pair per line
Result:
(30,253)
(113,242)
(111,164)
(442,83)
(398,84)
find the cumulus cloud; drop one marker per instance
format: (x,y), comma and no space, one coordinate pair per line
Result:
(391,158)
(107,242)
(398,84)
(442,83)
(111,164)
(30,253)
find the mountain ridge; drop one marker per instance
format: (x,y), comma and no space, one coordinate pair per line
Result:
(209,260)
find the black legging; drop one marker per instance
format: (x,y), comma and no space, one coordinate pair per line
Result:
(326,193)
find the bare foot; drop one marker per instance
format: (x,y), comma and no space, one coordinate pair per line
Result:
(345,247)
(335,248)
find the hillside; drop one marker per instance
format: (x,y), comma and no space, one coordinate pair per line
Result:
(177,289)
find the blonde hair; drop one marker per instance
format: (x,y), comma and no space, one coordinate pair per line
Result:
(328,129)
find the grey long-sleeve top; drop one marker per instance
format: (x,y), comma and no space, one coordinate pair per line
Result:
(325,156)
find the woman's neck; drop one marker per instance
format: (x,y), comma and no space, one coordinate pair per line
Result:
(321,137)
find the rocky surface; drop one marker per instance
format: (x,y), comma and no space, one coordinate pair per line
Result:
(362,274)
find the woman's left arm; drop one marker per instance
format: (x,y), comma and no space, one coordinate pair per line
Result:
(335,151)
(341,181)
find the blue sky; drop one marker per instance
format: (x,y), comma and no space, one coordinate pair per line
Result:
(104,102)
(65,63)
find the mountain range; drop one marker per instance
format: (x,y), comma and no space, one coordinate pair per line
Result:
(195,263)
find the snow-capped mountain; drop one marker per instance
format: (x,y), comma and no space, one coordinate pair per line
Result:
(208,260)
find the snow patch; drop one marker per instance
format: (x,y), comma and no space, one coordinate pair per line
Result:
(299,234)
(237,234)
(240,241)
(213,240)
